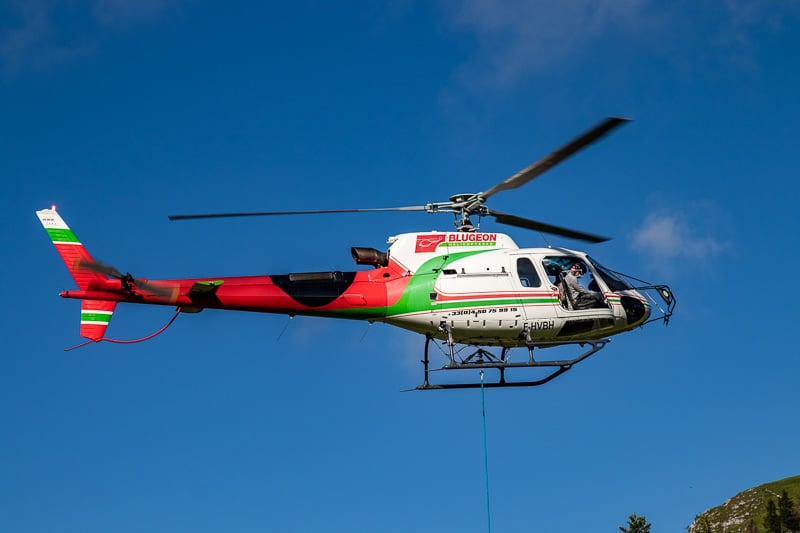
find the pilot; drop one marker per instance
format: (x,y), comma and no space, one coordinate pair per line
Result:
(582,298)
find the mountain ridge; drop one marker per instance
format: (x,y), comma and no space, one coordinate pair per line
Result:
(745,511)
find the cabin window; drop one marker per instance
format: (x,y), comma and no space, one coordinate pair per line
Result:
(556,265)
(527,273)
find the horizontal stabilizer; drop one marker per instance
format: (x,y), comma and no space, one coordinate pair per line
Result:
(204,288)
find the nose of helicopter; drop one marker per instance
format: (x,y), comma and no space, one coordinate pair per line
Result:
(635,310)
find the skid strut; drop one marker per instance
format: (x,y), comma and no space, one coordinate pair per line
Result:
(480,358)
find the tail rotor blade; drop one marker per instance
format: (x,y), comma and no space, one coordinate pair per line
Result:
(127,279)
(100,268)
(157,289)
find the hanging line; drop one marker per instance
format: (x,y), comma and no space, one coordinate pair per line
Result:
(369,327)
(285,327)
(131,341)
(485,457)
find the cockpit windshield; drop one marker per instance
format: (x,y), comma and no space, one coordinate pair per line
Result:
(613,282)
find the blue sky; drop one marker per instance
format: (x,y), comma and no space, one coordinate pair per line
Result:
(121,113)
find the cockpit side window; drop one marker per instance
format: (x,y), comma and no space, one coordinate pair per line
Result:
(527,273)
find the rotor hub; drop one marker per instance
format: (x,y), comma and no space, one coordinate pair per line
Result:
(462,198)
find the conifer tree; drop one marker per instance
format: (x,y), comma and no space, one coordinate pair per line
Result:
(772,522)
(636,524)
(790,521)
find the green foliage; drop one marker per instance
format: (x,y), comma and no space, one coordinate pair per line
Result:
(772,522)
(703,524)
(790,519)
(746,512)
(636,524)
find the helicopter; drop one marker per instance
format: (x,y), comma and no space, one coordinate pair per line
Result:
(475,295)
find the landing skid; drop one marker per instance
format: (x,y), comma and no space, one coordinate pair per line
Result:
(480,358)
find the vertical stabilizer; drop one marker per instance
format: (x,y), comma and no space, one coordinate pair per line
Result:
(69,248)
(95,314)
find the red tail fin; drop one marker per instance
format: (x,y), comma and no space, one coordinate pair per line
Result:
(70,248)
(95,314)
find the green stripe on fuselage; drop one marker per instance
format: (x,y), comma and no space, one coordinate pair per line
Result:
(417,296)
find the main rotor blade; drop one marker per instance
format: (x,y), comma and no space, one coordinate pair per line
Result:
(527,223)
(310,212)
(549,161)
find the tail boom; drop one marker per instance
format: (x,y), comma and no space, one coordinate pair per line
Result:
(363,295)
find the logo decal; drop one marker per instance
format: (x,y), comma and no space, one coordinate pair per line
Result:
(471,239)
(428,243)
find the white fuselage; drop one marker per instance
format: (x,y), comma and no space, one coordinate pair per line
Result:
(489,292)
